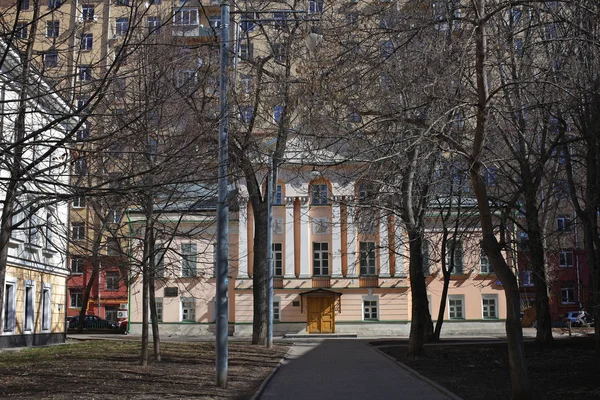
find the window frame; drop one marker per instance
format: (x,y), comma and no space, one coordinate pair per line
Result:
(320,252)
(21,30)
(189,260)
(84,73)
(565,290)
(159,309)
(563,223)
(370,308)
(86,42)
(121,26)
(86,15)
(490,307)
(276,309)
(52,29)
(568,258)
(78,231)
(9,315)
(80,262)
(188,309)
(46,307)
(277,261)
(318,196)
(75,294)
(367,258)
(29,306)
(51,58)
(452,307)
(455,248)
(485,267)
(113,278)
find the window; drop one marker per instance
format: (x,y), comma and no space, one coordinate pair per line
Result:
(82,134)
(85,73)
(186,17)
(52,29)
(122,2)
(278,200)
(563,223)
(33,225)
(562,190)
(246,51)
(54,3)
(514,16)
(24,4)
(246,83)
(321,259)
(315,6)
(484,264)
(320,194)
(489,176)
(351,18)
(387,49)
(188,309)
(46,308)
(526,278)
(159,309)
(215,22)
(78,231)
(8,311)
(280,20)
(87,12)
(277,259)
(426,247)
(21,30)
(76,298)
(28,306)
(49,229)
(246,114)
(112,247)
(81,105)
(79,202)
(519,46)
(277,113)
(112,280)
(523,241)
(185,80)
(87,41)
(80,167)
(567,294)
(279,52)
(153,25)
(159,263)
(456,308)
(367,258)
(51,59)
(370,309)
(247,22)
(276,310)
(111,313)
(489,306)
(454,257)
(188,259)
(355,117)
(565,258)
(121,26)
(77,265)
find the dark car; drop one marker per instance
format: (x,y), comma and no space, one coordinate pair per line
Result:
(93,322)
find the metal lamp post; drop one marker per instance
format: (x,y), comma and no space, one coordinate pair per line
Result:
(223,208)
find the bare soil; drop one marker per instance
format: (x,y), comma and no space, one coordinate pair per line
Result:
(106,369)
(568,370)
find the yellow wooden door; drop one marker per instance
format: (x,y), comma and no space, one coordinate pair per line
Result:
(321,317)
(314,315)
(327,317)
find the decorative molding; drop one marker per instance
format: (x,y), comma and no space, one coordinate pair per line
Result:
(278,225)
(321,226)
(304,200)
(289,201)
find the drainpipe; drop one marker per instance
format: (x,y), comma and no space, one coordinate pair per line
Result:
(130,263)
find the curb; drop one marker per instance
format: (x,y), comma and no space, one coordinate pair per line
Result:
(264,384)
(408,369)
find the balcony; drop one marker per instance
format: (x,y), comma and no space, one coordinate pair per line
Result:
(368,281)
(195,31)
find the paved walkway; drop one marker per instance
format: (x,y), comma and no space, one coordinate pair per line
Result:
(344,369)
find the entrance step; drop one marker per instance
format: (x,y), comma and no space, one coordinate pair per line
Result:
(319,335)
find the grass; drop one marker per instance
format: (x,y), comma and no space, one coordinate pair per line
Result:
(103,369)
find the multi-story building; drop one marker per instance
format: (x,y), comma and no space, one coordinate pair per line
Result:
(34,287)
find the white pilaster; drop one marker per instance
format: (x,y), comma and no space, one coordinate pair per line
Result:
(289,238)
(351,244)
(336,241)
(305,245)
(243,240)
(400,248)
(384,249)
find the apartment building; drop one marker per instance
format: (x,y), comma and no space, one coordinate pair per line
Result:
(33,311)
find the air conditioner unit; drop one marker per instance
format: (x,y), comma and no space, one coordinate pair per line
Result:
(121,314)
(123,306)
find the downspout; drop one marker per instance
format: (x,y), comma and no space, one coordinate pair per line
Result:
(130,257)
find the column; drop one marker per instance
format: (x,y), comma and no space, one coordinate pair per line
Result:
(351,237)
(243,240)
(399,240)
(384,249)
(289,238)
(305,245)
(336,241)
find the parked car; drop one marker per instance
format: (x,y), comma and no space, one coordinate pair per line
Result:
(579,318)
(93,322)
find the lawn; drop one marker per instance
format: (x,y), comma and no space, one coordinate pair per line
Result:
(100,369)
(568,370)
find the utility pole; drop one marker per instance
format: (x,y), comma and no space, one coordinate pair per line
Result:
(271,187)
(223,208)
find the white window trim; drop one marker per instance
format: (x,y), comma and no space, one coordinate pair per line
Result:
(10,280)
(495,298)
(46,308)
(277,299)
(186,300)
(29,284)
(370,298)
(464,311)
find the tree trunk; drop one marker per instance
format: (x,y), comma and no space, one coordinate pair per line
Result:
(145,304)
(260,276)
(420,324)
(442,312)
(152,296)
